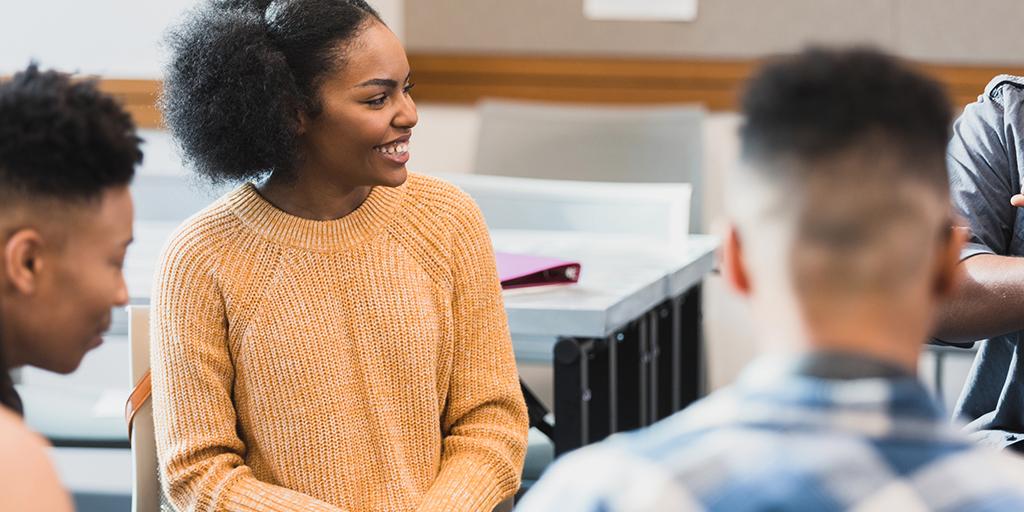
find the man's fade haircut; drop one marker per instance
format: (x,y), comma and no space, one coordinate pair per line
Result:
(820,102)
(62,138)
(838,146)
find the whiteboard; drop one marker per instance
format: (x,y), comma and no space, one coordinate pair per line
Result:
(641,10)
(110,38)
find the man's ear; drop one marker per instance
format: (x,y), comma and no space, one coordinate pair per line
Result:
(732,261)
(23,260)
(948,277)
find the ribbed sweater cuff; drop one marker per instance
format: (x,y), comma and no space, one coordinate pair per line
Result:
(467,484)
(250,495)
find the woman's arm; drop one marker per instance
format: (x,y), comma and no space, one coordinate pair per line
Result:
(484,424)
(200,455)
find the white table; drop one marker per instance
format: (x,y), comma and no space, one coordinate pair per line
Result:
(621,278)
(624,341)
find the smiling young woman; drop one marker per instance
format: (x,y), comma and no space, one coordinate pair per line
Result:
(331,337)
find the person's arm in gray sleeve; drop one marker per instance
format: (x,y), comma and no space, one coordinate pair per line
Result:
(984,175)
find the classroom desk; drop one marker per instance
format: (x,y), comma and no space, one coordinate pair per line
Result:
(624,341)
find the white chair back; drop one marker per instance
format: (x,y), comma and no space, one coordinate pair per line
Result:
(145,473)
(657,210)
(632,144)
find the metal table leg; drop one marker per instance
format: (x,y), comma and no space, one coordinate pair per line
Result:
(645,372)
(582,392)
(691,348)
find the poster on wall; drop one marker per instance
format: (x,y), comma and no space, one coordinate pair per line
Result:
(640,10)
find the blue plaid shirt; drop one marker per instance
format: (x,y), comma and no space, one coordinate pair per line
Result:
(780,439)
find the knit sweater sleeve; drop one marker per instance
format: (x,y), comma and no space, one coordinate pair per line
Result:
(484,424)
(200,454)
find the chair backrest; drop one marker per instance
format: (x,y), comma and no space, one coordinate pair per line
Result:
(145,473)
(660,211)
(648,144)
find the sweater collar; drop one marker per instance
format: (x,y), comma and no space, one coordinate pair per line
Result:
(773,393)
(342,234)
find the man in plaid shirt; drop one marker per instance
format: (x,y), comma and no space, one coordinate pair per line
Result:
(840,236)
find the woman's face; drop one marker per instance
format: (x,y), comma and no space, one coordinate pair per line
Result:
(363,130)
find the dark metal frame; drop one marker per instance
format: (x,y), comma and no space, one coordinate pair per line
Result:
(644,372)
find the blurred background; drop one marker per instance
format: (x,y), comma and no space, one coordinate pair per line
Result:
(670,82)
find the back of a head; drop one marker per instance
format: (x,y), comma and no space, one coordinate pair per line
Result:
(843,185)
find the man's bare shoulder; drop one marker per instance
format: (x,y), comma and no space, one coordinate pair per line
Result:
(28,480)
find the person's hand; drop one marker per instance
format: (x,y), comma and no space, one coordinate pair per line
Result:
(961,227)
(1018,199)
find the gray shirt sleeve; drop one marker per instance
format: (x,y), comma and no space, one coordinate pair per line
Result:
(983,167)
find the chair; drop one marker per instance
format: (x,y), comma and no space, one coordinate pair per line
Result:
(146,490)
(648,144)
(660,211)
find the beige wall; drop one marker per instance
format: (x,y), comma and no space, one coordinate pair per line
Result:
(973,31)
(947,31)
(393,13)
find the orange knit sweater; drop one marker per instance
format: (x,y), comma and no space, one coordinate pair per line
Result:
(359,364)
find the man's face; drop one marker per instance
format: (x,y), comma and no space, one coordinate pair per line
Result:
(58,305)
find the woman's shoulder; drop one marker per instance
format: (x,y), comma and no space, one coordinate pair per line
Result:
(440,200)
(438,219)
(215,217)
(206,232)
(432,188)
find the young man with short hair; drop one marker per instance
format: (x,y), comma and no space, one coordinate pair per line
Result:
(67,155)
(840,236)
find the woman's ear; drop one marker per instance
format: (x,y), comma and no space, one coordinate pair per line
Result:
(303,120)
(23,260)
(731,257)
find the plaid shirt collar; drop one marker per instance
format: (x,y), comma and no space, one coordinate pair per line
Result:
(775,392)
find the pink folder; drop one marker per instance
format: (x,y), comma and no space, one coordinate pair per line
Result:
(522,270)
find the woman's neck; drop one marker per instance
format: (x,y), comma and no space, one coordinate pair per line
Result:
(309,197)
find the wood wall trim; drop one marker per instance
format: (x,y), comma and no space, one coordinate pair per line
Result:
(465,79)
(139,98)
(716,84)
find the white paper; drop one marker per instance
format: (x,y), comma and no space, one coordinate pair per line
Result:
(111,403)
(641,10)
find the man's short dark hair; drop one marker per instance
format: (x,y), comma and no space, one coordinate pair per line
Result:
(844,174)
(62,138)
(822,102)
